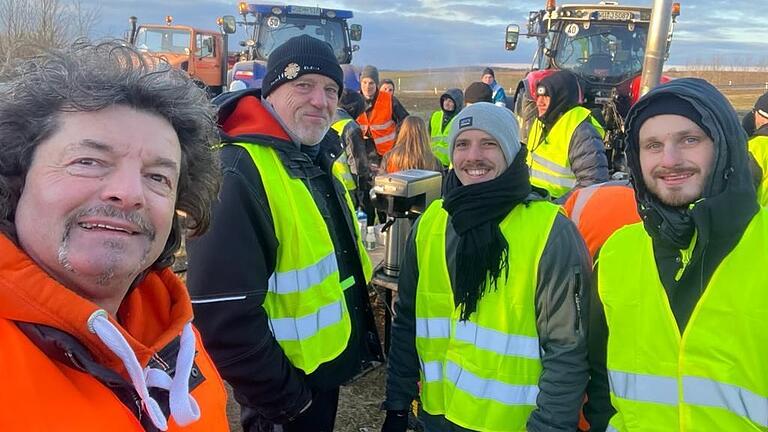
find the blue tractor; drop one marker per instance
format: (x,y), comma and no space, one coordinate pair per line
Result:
(269,26)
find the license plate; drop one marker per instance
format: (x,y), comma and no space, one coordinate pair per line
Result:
(305,10)
(614,15)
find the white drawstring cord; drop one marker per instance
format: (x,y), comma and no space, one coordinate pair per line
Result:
(184,408)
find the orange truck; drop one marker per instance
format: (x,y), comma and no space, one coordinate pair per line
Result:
(201,53)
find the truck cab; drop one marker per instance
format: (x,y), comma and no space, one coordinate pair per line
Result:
(269,26)
(201,53)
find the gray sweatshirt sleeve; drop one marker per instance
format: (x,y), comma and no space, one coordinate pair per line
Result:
(562,304)
(587,156)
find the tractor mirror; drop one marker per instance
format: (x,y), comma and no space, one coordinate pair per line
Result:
(355,32)
(513,33)
(228,25)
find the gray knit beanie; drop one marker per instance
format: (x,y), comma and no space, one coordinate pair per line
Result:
(494,120)
(370,72)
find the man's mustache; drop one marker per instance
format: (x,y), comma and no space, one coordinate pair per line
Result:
(140,222)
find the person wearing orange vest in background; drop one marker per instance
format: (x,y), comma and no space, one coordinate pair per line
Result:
(601,209)
(101,150)
(677,334)
(379,122)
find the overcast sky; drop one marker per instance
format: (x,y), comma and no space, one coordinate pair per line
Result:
(411,34)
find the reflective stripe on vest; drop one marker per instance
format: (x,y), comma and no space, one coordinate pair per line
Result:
(548,154)
(581,201)
(305,299)
(439,138)
(714,376)
(379,126)
(341,165)
(758,146)
(462,379)
(481,337)
(481,374)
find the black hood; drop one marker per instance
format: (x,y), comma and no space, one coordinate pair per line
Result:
(563,90)
(728,200)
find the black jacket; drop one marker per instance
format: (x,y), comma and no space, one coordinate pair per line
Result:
(727,206)
(229,267)
(562,302)
(354,146)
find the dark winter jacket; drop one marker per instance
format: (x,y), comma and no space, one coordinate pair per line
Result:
(727,206)
(586,151)
(230,265)
(354,146)
(564,277)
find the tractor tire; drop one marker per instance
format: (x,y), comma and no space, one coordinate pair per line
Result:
(525,111)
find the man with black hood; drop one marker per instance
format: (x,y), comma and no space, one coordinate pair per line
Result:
(758,145)
(490,315)
(279,283)
(677,338)
(352,164)
(565,142)
(451,102)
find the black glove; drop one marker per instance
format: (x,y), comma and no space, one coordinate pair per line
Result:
(396,421)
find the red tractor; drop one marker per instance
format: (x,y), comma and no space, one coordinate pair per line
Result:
(604,45)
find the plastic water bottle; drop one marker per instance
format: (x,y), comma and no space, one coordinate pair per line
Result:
(370,239)
(362,219)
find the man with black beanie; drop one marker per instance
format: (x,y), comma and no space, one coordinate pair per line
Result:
(478,92)
(565,142)
(677,338)
(279,283)
(758,145)
(491,308)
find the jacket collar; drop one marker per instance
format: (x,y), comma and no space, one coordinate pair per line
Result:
(150,317)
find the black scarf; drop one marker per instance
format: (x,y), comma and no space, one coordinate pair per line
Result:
(476,212)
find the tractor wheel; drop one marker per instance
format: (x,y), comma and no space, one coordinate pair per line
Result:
(525,111)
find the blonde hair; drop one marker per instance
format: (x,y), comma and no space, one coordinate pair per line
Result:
(412,149)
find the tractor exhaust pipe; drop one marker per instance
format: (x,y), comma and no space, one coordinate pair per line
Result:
(656,45)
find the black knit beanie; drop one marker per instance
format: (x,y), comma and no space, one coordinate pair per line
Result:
(299,56)
(478,92)
(666,104)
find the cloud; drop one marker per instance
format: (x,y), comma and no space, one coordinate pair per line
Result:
(407,34)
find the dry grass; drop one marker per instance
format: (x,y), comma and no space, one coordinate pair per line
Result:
(420,91)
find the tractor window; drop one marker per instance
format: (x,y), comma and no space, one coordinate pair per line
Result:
(205,46)
(605,52)
(274,31)
(163,40)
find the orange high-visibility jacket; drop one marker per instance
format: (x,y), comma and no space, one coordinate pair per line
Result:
(45,391)
(601,209)
(379,126)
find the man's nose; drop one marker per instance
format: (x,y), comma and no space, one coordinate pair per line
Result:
(123,187)
(319,98)
(671,156)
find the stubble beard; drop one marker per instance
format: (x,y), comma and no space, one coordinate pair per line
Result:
(114,248)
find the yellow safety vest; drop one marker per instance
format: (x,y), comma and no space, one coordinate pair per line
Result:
(712,378)
(305,298)
(758,146)
(439,137)
(341,165)
(548,154)
(482,373)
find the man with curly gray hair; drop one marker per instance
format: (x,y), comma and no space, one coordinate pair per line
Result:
(101,149)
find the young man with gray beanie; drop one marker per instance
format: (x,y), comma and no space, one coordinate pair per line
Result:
(279,283)
(491,309)
(379,122)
